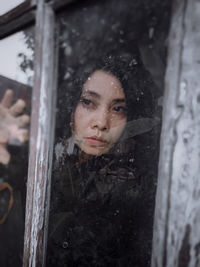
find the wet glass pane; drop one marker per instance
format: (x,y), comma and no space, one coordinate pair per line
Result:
(6,6)
(16,74)
(112,58)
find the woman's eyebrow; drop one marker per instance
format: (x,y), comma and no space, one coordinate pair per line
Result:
(119,100)
(91,93)
(96,95)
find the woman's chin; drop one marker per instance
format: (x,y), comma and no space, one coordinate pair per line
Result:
(94,151)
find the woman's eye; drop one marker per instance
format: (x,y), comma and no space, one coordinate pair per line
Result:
(121,109)
(86,102)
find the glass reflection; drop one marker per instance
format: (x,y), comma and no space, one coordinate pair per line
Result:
(16,52)
(6,6)
(107,133)
(16,76)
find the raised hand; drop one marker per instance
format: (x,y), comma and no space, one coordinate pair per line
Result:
(11,124)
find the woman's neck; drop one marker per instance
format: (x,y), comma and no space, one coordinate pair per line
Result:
(83,157)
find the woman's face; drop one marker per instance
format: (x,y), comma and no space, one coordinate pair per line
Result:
(100,116)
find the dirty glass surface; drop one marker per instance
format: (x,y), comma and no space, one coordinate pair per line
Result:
(112,59)
(16,73)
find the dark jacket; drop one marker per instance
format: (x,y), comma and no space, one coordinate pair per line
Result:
(100,215)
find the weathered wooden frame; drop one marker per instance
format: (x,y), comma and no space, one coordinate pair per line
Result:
(58,5)
(18,18)
(16,11)
(24,15)
(41,141)
(175,229)
(176,241)
(42,121)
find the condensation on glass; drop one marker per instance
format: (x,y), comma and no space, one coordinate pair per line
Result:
(16,73)
(112,58)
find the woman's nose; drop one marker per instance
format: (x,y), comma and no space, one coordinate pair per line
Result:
(101,120)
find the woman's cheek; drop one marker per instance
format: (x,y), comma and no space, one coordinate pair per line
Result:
(79,113)
(80,110)
(117,129)
(80,119)
(118,122)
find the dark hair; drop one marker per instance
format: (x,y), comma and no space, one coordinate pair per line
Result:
(128,68)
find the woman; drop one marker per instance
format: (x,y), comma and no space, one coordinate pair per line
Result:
(98,205)
(100,116)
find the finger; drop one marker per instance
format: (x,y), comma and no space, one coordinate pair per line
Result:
(4,155)
(23,120)
(19,137)
(18,107)
(4,136)
(23,135)
(7,98)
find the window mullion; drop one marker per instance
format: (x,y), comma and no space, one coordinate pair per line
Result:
(176,228)
(41,141)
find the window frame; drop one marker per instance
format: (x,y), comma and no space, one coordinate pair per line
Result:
(176,227)
(43,14)
(18,18)
(41,140)
(16,11)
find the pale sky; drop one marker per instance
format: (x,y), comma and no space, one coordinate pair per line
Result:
(10,47)
(7,5)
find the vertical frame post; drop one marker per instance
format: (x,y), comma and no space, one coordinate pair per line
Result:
(41,140)
(176,241)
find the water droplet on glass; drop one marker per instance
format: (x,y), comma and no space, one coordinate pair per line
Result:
(65,244)
(67,75)
(116,212)
(115,26)
(133,62)
(68,50)
(59,149)
(151,33)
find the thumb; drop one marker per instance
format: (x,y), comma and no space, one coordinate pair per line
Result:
(4,155)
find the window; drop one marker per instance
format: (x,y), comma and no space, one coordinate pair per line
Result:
(76,43)
(16,73)
(104,180)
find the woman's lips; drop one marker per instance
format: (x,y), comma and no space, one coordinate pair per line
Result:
(94,141)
